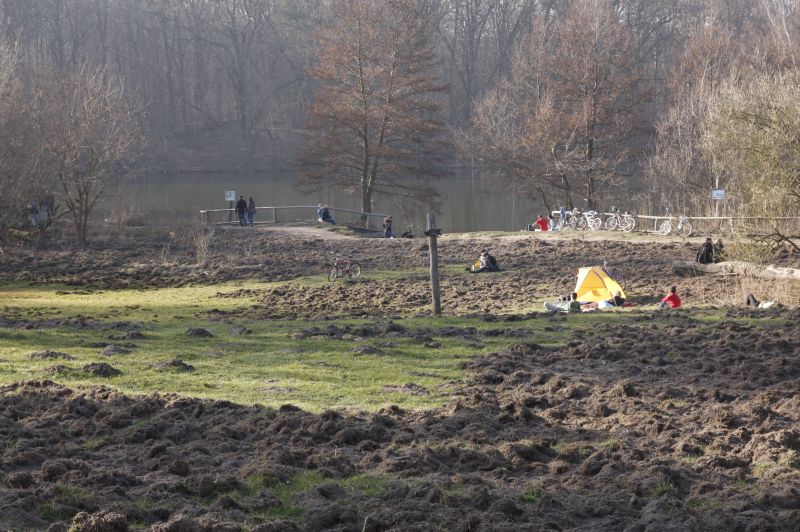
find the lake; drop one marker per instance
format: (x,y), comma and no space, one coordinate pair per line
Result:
(467,203)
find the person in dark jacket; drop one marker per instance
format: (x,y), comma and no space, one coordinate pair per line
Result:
(324,214)
(241,210)
(387,227)
(705,255)
(251,210)
(486,263)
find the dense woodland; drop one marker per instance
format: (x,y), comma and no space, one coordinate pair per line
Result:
(579,102)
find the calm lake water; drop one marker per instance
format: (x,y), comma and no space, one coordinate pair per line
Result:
(467,204)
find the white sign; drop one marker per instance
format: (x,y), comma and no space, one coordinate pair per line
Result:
(718,193)
(230,195)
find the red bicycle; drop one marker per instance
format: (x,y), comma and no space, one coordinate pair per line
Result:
(347,267)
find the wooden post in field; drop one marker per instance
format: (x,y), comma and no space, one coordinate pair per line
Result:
(432,233)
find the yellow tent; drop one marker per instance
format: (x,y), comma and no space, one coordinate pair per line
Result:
(596,284)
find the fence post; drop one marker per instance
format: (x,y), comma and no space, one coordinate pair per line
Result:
(274,215)
(432,233)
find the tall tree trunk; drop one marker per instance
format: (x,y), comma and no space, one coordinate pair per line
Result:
(567,193)
(366,201)
(589,174)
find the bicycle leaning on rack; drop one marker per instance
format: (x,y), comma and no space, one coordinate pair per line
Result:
(683,228)
(588,220)
(624,222)
(347,267)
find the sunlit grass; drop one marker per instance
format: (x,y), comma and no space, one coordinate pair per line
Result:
(267,366)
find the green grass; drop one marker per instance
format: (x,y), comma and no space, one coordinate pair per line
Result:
(266,367)
(284,491)
(531,495)
(662,488)
(95,443)
(366,484)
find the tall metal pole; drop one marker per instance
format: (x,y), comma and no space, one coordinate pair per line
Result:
(432,233)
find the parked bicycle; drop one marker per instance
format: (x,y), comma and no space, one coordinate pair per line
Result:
(563,222)
(624,222)
(683,227)
(589,220)
(347,267)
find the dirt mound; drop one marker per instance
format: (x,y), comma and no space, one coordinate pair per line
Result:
(617,429)
(101,370)
(198,332)
(50,355)
(175,364)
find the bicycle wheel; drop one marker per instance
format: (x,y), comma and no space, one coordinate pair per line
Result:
(685,229)
(581,224)
(628,224)
(611,223)
(665,228)
(333,274)
(595,224)
(572,222)
(354,270)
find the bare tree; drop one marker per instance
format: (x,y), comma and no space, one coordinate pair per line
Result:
(373,127)
(85,130)
(564,115)
(752,135)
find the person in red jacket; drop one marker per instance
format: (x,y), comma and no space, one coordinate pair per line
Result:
(543,223)
(671,300)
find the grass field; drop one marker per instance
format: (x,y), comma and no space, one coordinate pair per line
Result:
(267,366)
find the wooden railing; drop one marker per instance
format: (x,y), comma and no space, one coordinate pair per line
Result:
(295,214)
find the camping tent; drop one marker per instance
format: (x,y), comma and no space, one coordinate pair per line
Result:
(596,284)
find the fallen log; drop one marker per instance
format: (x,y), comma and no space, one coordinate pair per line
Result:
(745,269)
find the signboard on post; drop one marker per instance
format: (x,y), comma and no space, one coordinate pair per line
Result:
(230,195)
(718,194)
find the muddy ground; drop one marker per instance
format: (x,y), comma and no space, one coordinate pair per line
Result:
(669,422)
(535,269)
(687,420)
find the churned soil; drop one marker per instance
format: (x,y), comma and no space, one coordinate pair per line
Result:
(534,268)
(671,421)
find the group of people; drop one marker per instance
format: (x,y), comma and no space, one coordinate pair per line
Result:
(41,212)
(324,214)
(245,210)
(711,252)
(573,304)
(485,263)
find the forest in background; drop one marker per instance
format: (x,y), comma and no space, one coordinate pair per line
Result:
(638,103)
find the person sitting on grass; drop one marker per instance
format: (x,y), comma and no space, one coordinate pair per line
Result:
(616,301)
(753,302)
(542,222)
(486,263)
(719,251)
(671,300)
(570,305)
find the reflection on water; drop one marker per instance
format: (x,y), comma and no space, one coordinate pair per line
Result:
(467,205)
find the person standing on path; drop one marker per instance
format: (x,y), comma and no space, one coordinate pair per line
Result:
(387,227)
(251,210)
(241,210)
